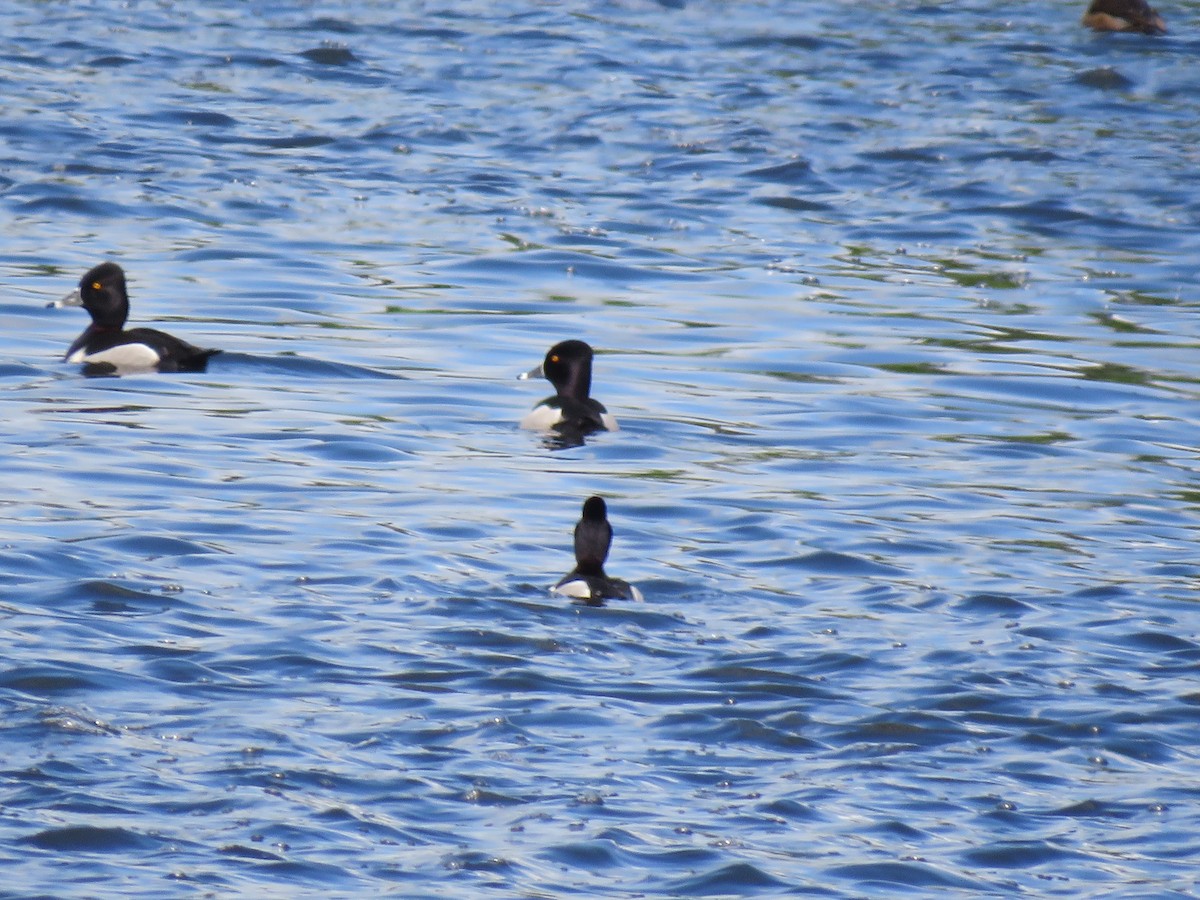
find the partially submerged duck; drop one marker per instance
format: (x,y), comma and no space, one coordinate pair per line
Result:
(1124,15)
(588,581)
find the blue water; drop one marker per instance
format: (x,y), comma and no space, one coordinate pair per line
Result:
(896,306)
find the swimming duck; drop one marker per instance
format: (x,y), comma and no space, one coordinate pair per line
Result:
(568,366)
(105,347)
(587,581)
(1124,15)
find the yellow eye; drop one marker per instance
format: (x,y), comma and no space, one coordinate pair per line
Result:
(95,285)
(554,358)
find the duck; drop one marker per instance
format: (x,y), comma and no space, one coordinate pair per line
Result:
(587,581)
(105,347)
(1124,15)
(571,411)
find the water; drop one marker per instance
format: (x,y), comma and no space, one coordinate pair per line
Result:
(895,306)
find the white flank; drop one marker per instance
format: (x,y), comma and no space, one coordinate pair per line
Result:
(577,588)
(125,356)
(542,418)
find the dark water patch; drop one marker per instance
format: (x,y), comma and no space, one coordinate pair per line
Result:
(194,117)
(1096,809)
(431,32)
(1036,740)
(1143,750)
(1050,633)
(290,142)
(969,701)
(49,681)
(836,661)
(1025,854)
(1159,642)
(92,839)
(149,546)
(789,41)
(794,204)
(791,810)
(434,679)
(114,598)
(734,731)
(905,875)
(242,851)
(18,370)
(795,172)
(111,61)
(541,36)
(993,605)
(56,200)
(593,855)
(1038,155)
(1102,593)
(330,56)
(1104,78)
(888,734)
(928,155)
(757,683)
(732,879)
(180,671)
(896,830)
(88,168)
(1117,690)
(828,562)
(303,368)
(255,60)
(1049,217)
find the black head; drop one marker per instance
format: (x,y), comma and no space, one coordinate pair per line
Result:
(102,292)
(593,537)
(595,509)
(568,366)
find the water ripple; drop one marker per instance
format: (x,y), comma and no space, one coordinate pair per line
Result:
(899,328)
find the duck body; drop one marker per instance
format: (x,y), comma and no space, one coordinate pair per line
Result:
(588,581)
(1124,15)
(106,347)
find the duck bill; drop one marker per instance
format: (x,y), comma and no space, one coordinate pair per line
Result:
(72,299)
(535,372)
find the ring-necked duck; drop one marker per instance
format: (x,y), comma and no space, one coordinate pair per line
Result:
(1124,15)
(587,581)
(568,366)
(105,347)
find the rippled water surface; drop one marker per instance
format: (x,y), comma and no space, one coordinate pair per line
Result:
(897,307)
